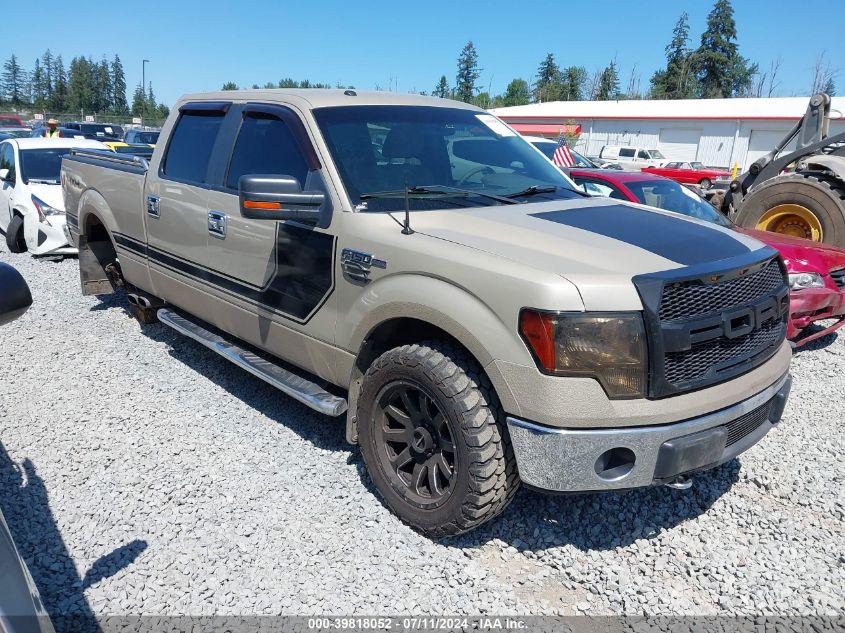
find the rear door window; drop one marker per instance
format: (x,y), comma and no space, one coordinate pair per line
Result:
(626,152)
(265,145)
(189,150)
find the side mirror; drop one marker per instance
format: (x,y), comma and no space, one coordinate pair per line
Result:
(15,297)
(270,197)
(4,175)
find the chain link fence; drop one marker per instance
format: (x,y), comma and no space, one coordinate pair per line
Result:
(126,121)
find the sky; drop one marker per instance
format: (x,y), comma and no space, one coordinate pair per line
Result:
(406,46)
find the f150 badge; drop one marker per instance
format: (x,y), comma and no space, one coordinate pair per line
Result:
(357,264)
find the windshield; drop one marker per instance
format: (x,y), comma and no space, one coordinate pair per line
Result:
(698,166)
(146,137)
(100,130)
(42,164)
(669,195)
(10,121)
(655,153)
(383,148)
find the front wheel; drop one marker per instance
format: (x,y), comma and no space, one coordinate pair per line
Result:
(15,239)
(433,439)
(705,183)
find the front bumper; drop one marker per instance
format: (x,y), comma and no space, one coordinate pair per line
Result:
(809,305)
(48,238)
(584,460)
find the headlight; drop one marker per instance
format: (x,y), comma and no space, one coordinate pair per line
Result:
(609,347)
(799,281)
(44,209)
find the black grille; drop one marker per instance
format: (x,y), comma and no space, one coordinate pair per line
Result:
(695,299)
(695,324)
(716,356)
(747,424)
(838,277)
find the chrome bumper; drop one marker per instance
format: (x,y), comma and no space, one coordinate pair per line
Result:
(582,460)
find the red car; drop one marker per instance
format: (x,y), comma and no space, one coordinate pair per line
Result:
(690,173)
(816,271)
(10,120)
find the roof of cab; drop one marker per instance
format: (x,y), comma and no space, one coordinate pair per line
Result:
(311,98)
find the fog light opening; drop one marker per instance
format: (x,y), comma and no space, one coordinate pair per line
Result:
(615,463)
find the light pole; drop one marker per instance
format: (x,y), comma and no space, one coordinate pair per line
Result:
(144,89)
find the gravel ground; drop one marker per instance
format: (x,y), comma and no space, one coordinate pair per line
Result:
(142,474)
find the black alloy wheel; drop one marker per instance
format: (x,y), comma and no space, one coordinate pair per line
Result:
(416,448)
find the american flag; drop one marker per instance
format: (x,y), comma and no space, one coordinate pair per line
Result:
(563,155)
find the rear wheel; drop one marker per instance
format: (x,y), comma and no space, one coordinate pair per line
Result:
(705,183)
(15,239)
(433,439)
(810,205)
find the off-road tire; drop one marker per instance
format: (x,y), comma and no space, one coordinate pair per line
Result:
(15,240)
(822,194)
(485,471)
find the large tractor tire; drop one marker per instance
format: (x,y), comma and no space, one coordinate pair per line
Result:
(805,204)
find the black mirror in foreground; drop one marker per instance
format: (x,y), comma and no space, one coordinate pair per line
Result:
(15,297)
(270,197)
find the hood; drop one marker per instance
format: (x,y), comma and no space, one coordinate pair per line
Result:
(51,194)
(597,244)
(800,255)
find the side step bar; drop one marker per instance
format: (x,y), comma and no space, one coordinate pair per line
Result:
(297,387)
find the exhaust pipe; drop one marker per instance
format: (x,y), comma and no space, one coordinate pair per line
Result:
(133,299)
(144,302)
(681,482)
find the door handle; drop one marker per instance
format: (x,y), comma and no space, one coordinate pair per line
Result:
(217,224)
(153,206)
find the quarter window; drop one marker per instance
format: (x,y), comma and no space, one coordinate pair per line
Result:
(265,145)
(189,151)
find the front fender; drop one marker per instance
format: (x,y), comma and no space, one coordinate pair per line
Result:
(836,164)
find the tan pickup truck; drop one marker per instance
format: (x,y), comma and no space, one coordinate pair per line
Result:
(414,263)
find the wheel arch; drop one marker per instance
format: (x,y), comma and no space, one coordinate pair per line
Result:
(405,328)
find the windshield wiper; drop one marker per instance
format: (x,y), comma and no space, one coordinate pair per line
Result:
(534,190)
(436,191)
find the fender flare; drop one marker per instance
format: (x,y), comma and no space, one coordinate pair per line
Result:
(91,202)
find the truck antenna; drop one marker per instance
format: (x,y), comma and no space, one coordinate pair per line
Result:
(406,228)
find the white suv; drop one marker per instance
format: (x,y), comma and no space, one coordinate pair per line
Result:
(32,211)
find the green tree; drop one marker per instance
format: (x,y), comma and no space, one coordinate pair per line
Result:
(230,85)
(103,90)
(80,86)
(58,99)
(468,73)
(547,87)
(721,70)
(152,106)
(14,82)
(118,82)
(573,82)
(677,80)
(608,88)
(442,88)
(830,87)
(39,88)
(138,99)
(517,93)
(48,67)
(162,111)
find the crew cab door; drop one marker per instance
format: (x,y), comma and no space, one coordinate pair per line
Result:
(279,269)
(176,196)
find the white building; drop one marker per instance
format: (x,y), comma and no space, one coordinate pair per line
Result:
(717,132)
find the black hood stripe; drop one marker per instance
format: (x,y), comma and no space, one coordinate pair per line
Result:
(686,243)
